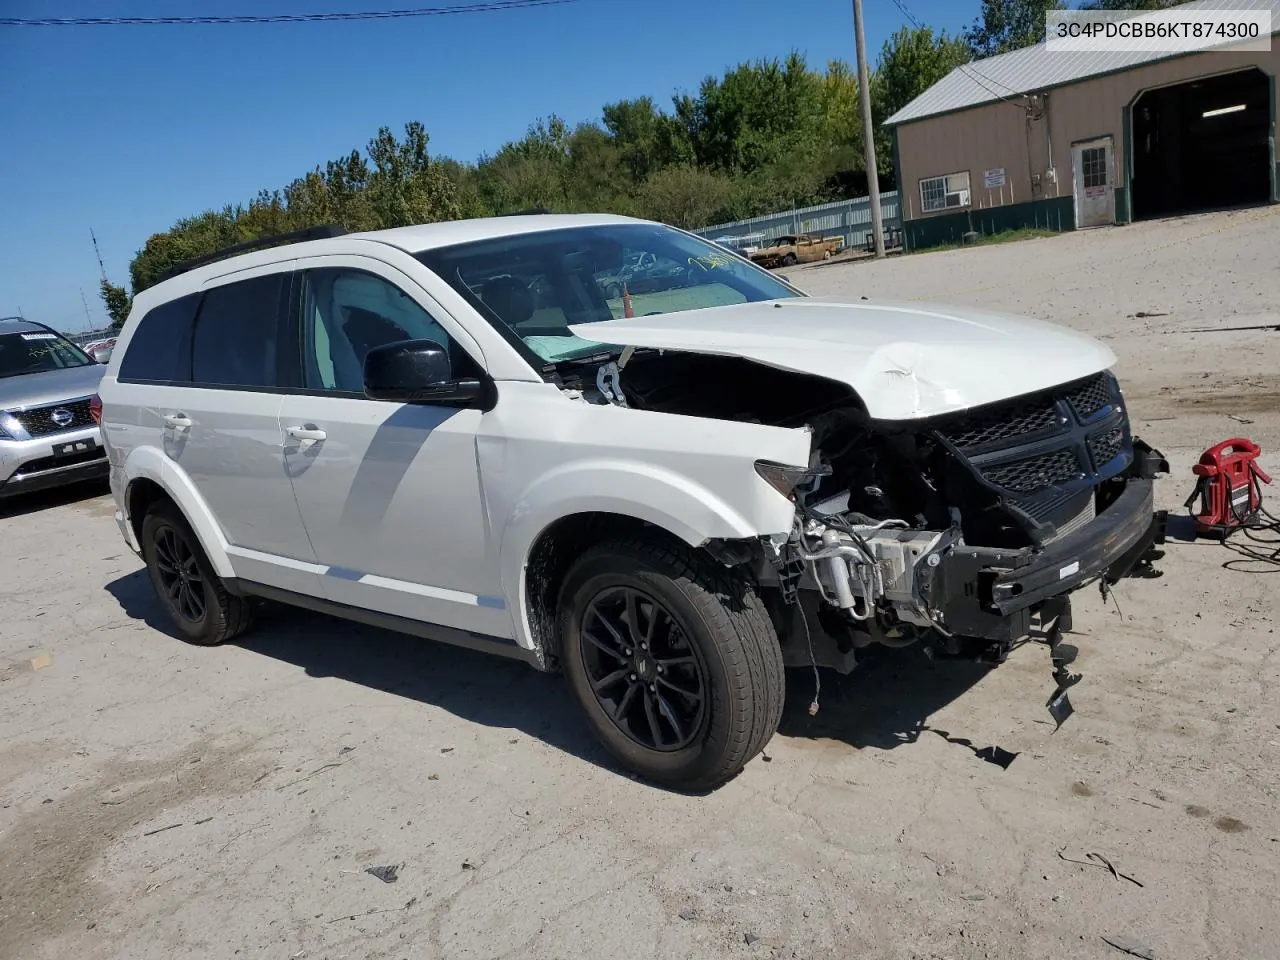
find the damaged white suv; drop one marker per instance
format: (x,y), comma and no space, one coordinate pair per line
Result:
(667,487)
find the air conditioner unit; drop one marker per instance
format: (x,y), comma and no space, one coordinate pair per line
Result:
(960,198)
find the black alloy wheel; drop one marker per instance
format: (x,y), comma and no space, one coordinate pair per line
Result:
(179,575)
(197,601)
(672,657)
(643,671)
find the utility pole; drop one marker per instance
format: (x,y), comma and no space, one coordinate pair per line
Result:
(868,130)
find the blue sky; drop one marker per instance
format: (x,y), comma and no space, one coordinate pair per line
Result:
(127,128)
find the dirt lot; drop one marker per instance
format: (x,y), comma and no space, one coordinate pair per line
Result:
(159,800)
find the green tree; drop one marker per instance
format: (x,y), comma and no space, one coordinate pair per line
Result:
(685,196)
(1004,25)
(910,62)
(530,173)
(760,137)
(754,115)
(404,185)
(647,139)
(117,301)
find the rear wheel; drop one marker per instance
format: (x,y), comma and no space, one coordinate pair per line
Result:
(192,594)
(673,659)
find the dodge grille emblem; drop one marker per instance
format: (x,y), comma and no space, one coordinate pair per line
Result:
(62,416)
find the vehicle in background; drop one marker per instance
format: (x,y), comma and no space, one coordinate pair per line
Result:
(744,246)
(788,250)
(100,350)
(646,273)
(49,435)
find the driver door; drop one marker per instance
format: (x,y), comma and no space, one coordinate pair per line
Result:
(390,493)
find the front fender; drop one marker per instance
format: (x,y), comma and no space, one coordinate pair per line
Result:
(152,464)
(642,491)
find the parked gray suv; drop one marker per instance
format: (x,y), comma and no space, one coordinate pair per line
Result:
(49,432)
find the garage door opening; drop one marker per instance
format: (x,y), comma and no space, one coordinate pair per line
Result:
(1202,145)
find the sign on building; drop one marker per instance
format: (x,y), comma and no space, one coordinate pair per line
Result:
(993,178)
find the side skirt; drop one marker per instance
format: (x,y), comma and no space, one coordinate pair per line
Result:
(387,621)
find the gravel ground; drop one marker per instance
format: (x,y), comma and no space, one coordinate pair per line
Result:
(159,800)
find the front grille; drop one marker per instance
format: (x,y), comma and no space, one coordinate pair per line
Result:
(1045,449)
(1105,447)
(1021,418)
(40,422)
(1090,397)
(41,464)
(1035,473)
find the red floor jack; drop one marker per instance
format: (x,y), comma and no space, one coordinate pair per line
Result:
(1229,488)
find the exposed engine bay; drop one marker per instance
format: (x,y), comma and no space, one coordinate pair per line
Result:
(956,531)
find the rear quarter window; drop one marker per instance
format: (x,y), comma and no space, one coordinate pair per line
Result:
(160,348)
(237,333)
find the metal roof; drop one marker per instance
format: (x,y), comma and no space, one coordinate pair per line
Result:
(1031,69)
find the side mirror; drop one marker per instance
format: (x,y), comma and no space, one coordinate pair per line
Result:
(417,371)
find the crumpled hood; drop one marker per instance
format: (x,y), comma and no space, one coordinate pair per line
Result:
(49,386)
(904,360)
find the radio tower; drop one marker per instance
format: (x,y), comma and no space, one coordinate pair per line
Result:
(97,253)
(88,319)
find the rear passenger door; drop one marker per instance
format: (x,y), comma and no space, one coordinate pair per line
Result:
(390,493)
(223,430)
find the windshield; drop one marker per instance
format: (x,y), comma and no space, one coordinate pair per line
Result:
(533,286)
(37,351)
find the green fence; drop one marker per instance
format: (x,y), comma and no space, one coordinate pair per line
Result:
(1057,214)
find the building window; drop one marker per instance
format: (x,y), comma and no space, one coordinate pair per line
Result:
(944,193)
(1094,162)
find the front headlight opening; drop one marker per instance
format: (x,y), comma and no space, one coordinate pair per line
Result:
(788,480)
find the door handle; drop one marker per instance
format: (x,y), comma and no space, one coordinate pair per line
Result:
(179,421)
(304,433)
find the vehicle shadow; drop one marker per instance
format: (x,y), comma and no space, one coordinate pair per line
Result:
(477,687)
(884,704)
(21,504)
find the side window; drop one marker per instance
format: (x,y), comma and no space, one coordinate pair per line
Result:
(160,348)
(346,313)
(237,332)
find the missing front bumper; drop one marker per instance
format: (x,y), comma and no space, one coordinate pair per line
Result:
(992,594)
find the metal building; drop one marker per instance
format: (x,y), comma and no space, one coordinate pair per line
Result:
(1070,140)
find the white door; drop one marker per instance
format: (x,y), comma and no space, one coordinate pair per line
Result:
(1091,171)
(223,431)
(389,492)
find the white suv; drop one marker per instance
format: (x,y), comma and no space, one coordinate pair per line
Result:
(452,430)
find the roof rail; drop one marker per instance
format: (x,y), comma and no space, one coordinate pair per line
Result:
(532,211)
(321,232)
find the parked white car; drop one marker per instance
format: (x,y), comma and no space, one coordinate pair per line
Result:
(667,496)
(100,350)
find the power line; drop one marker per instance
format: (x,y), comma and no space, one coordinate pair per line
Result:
(966,68)
(488,6)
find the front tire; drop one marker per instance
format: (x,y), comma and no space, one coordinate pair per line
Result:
(185,583)
(673,659)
